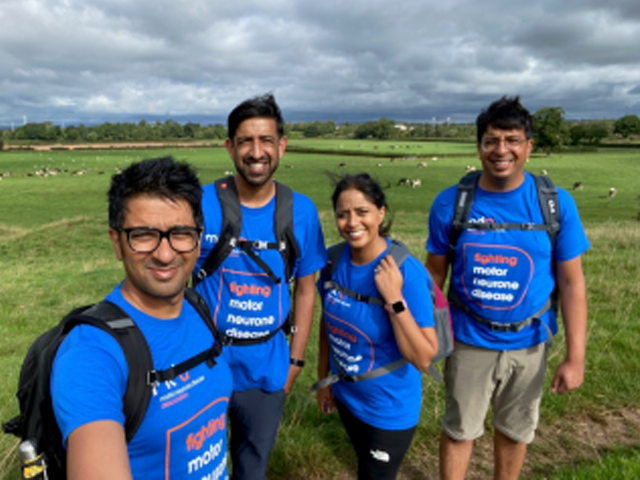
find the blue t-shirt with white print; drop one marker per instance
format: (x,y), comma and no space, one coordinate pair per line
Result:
(361,339)
(505,276)
(244,301)
(184,432)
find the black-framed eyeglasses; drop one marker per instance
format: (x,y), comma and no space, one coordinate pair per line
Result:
(490,144)
(147,239)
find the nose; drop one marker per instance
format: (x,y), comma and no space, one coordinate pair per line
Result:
(256,149)
(502,146)
(164,252)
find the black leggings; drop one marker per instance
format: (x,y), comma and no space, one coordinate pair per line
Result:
(379,452)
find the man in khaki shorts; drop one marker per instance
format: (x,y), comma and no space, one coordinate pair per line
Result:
(514,243)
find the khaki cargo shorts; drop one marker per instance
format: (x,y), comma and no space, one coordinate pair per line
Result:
(511,381)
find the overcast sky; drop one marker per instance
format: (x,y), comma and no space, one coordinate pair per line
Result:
(91,61)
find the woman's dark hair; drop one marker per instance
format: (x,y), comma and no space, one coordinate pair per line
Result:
(370,188)
(162,177)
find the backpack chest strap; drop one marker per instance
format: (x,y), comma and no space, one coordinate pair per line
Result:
(517,326)
(526,226)
(340,376)
(331,285)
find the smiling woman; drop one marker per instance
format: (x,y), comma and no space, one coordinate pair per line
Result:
(379,349)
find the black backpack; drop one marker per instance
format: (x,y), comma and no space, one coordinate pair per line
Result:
(441,316)
(548,200)
(36,420)
(286,242)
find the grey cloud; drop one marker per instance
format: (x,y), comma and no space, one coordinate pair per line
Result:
(410,59)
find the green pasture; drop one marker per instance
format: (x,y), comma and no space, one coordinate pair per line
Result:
(56,255)
(391,148)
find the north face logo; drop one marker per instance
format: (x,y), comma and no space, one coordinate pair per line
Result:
(380,455)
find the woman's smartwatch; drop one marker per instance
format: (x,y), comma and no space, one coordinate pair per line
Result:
(396,307)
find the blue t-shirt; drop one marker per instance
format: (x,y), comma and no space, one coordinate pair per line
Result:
(184,433)
(244,301)
(505,276)
(361,339)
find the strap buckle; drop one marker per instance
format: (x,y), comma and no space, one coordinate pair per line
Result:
(152,379)
(260,245)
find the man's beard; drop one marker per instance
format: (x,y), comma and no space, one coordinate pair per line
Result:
(257,181)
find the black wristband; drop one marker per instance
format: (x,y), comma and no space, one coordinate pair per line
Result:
(296,362)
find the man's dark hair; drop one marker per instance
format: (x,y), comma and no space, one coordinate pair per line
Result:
(160,177)
(263,106)
(505,114)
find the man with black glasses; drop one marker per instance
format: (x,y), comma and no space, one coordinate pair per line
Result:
(514,243)
(155,225)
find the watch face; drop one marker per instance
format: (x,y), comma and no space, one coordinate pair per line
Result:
(398,307)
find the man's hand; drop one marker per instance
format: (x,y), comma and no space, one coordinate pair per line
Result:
(569,376)
(294,371)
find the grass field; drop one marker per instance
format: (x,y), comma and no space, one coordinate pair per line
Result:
(56,255)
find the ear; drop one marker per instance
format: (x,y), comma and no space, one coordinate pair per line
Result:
(230,147)
(382,212)
(282,146)
(114,235)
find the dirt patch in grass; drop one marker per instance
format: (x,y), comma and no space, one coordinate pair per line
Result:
(569,441)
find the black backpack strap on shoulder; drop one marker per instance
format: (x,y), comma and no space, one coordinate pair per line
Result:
(283,225)
(230,231)
(548,198)
(209,355)
(200,305)
(462,207)
(110,318)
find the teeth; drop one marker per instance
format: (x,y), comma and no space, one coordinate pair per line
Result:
(257,167)
(356,234)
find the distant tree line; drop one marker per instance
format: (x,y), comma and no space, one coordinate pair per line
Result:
(142,131)
(551,131)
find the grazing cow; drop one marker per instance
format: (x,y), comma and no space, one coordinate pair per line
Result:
(612,192)
(416,183)
(545,171)
(404,181)
(434,159)
(342,165)
(469,168)
(577,185)
(379,164)
(422,165)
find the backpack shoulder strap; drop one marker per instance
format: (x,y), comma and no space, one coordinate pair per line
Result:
(283,226)
(230,231)
(462,207)
(112,319)
(399,251)
(548,199)
(333,253)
